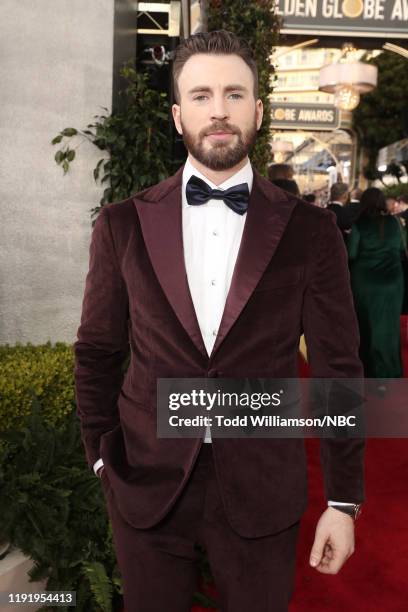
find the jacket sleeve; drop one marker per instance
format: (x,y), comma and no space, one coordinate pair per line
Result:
(102,345)
(332,338)
(347,215)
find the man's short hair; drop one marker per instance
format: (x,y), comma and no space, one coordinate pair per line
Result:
(280,171)
(287,185)
(338,190)
(309,197)
(356,193)
(218,42)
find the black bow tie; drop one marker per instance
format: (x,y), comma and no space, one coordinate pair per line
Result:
(236,198)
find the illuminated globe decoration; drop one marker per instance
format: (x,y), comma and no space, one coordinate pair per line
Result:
(347,81)
(346,97)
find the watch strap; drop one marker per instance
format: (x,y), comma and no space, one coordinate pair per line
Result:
(353,510)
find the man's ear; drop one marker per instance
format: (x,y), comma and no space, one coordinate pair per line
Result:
(175,109)
(259,113)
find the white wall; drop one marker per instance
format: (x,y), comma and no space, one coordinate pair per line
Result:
(55,72)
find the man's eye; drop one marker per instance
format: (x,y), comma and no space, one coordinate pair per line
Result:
(200,98)
(236,96)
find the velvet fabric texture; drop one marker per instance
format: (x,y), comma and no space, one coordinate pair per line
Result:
(291,276)
(159,566)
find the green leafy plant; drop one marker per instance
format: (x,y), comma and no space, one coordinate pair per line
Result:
(101,585)
(44,371)
(380,118)
(52,509)
(259,26)
(394,191)
(135,141)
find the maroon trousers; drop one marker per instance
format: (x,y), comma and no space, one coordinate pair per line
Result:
(159,565)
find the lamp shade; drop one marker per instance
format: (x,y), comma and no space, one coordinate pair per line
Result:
(282,146)
(360,76)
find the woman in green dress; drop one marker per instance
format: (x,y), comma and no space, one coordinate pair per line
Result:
(375,248)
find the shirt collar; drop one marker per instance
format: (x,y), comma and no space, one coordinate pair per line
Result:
(244,175)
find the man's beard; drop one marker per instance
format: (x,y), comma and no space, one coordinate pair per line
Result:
(220,155)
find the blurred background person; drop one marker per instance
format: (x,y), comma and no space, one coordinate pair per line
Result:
(401,210)
(282,175)
(280,171)
(401,207)
(391,204)
(309,197)
(375,248)
(345,211)
(322,197)
(355,195)
(403,201)
(287,185)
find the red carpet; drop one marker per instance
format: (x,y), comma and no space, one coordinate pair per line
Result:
(375,578)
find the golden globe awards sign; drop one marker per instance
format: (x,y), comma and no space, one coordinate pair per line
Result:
(374,18)
(298,116)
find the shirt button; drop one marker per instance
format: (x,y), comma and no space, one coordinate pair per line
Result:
(214,332)
(213,281)
(215,232)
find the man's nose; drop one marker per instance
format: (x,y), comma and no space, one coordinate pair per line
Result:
(219,108)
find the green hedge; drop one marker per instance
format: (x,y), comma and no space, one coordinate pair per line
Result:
(44,372)
(51,504)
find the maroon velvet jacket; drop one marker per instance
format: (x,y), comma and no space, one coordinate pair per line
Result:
(291,276)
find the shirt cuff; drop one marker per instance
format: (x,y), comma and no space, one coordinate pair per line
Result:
(97,465)
(334,503)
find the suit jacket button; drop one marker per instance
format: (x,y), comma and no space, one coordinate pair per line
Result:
(212,374)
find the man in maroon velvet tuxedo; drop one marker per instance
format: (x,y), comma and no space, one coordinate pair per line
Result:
(214,272)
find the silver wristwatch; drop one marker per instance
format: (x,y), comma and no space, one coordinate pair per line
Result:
(353,510)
